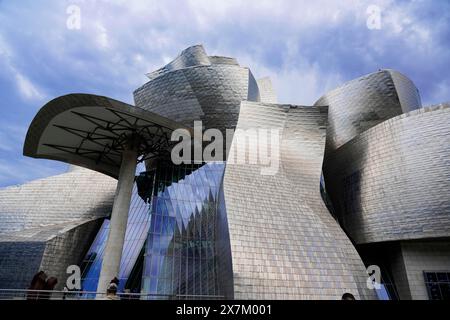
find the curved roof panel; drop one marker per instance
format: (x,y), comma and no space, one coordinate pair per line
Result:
(91,131)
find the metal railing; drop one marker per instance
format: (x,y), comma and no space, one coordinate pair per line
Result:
(25,294)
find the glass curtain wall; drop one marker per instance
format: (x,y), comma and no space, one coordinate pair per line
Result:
(172,228)
(180,259)
(135,237)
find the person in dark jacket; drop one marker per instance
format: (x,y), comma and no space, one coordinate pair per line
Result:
(37,283)
(49,286)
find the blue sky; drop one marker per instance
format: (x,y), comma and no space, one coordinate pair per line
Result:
(306,47)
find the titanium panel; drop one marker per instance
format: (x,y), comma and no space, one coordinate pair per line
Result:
(81,194)
(48,224)
(192,56)
(392,182)
(67,248)
(284,242)
(266,90)
(199,90)
(365,102)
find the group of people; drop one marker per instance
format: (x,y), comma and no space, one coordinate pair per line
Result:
(41,286)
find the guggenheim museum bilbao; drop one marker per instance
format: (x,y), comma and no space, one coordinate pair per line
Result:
(361,191)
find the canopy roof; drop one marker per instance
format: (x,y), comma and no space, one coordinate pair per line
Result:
(91,131)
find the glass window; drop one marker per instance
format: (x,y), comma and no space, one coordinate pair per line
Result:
(438,284)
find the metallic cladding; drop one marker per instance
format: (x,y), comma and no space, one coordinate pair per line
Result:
(73,196)
(385,168)
(392,182)
(284,243)
(210,92)
(365,102)
(48,224)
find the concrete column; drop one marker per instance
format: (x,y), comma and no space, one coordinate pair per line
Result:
(118,223)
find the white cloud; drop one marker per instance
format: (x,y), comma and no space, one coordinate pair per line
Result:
(439,94)
(102,38)
(306,47)
(27,89)
(302,85)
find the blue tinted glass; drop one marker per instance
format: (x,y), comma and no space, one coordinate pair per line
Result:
(186,243)
(382,293)
(178,225)
(136,234)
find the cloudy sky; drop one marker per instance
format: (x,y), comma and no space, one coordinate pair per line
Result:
(306,47)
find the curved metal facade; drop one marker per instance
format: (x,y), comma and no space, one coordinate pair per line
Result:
(266,90)
(392,182)
(283,243)
(81,194)
(226,229)
(48,224)
(407,93)
(52,249)
(190,57)
(197,87)
(365,102)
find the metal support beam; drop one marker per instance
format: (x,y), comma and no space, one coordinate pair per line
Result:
(119,217)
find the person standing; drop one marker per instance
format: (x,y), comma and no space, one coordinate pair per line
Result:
(48,287)
(37,283)
(111,292)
